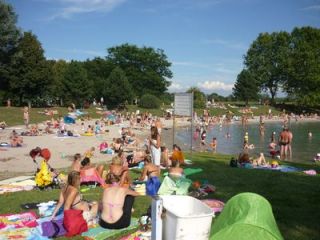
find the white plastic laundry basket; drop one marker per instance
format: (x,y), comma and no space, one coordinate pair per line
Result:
(186,218)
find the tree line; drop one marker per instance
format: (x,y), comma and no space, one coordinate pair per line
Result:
(282,61)
(126,73)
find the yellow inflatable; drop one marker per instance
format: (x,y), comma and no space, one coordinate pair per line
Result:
(87,134)
(43,177)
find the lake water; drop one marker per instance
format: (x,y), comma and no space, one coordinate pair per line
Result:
(303,147)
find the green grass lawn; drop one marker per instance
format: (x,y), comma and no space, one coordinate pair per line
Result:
(14,115)
(294,197)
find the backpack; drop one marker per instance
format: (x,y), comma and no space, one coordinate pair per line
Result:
(233,162)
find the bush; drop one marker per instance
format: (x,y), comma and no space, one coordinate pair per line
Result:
(149,101)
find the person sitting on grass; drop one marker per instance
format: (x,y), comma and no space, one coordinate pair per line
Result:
(71,198)
(175,171)
(177,154)
(260,161)
(164,160)
(116,169)
(117,203)
(151,174)
(86,164)
(137,157)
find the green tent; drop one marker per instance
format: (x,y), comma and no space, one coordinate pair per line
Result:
(246,216)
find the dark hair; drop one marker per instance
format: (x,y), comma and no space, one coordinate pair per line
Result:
(175,163)
(148,159)
(154,132)
(85,161)
(176,146)
(77,156)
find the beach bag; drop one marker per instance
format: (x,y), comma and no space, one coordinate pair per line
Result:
(152,186)
(74,222)
(53,229)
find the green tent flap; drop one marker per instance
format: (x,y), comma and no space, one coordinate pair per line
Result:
(246,216)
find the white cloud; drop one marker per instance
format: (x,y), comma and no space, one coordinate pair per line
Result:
(313,7)
(190,64)
(81,51)
(72,7)
(228,44)
(175,87)
(215,85)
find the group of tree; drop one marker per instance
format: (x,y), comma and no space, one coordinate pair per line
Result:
(126,73)
(284,61)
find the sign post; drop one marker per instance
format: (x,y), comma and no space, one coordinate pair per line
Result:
(183,106)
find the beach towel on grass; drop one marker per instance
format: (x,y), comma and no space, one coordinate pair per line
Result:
(8,188)
(188,171)
(21,234)
(171,187)
(20,220)
(99,233)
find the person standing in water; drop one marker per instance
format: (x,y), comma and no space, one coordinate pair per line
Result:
(289,145)
(284,141)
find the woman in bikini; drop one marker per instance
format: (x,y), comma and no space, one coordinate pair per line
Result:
(117,205)
(151,174)
(117,169)
(70,198)
(176,172)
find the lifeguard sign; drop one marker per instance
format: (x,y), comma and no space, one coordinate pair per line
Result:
(183,104)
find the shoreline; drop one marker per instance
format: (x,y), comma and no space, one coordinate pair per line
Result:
(16,161)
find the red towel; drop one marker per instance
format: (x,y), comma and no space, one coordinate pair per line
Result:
(74,222)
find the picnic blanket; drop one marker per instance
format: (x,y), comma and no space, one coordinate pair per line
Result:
(20,220)
(21,234)
(7,188)
(281,168)
(138,235)
(188,171)
(16,184)
(99,233)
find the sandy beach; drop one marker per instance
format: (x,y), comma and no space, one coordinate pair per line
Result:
(15,161)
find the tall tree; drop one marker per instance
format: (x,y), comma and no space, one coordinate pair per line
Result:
(77,87)
(31,76)
(147,69)
(267,60)
(304,75)
(246,87)
(117,89)
(9,38)
(199,98)
(59,69)
(98,70)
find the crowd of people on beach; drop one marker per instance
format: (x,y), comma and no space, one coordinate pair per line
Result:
(117,199)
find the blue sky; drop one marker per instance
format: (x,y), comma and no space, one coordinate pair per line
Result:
(204,39)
